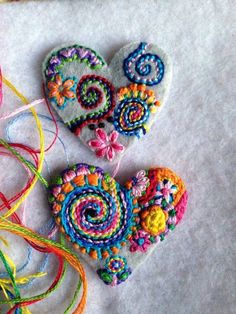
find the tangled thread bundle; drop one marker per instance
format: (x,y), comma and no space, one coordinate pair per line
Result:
(10,287)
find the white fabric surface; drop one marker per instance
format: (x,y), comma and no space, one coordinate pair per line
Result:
(193,270)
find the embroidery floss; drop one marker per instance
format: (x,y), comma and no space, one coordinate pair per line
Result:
(38,242)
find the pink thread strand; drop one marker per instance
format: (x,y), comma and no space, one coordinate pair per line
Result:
(23,108)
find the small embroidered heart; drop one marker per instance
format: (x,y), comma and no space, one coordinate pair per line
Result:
(116,226)
(107,107)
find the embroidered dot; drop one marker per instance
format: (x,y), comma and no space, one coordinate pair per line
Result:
(101,125)
(92,127)
(110,119)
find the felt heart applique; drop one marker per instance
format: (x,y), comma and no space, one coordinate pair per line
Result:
(107,107)
(116,226)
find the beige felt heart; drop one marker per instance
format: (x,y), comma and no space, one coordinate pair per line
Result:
(116,226)
(107,107)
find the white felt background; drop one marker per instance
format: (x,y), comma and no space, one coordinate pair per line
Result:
(193,271)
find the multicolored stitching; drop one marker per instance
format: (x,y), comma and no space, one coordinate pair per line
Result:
(72,53)
(100,217)
(93,90)
(95,213)
(106,145)
(133,110)
(61,91)
(115,272)
(90,96)
(161,206)
(143,68)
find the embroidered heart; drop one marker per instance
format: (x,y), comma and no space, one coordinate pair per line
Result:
(116,226)
(107,107)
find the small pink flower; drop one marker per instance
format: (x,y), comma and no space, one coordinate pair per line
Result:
(140,241)
(140,183)
(68,176)
(106,145)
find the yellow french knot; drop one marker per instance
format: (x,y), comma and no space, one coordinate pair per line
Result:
(153,220)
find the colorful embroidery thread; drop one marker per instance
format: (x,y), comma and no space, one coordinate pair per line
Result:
(115,272)
(93,210)
(61,91)
(102,218)
(72,53)
(149,67)
(93,92)
(133,110)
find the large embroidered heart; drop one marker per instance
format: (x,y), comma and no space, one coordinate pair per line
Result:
(107,107)
(115,226)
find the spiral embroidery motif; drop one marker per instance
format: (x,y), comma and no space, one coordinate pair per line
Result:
(132,112)
(143,68)
(92,90)
(130,117)
(93,210)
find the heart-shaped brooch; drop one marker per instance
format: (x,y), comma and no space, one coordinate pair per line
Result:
(113,225)
(107,107)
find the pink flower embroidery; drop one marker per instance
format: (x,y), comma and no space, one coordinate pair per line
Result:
(106,145)
(139,183)
(140,241)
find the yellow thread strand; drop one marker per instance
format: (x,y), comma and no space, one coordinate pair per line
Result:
(71,258)
(4,241)
(5,283)
(22,280)
(41,155)
(4,291)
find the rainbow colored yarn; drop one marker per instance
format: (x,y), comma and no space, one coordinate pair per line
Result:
(9,287)
(93,210)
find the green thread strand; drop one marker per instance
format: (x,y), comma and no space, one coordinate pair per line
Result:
(24,161)
(75,297)
(10,274)
(42,295)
